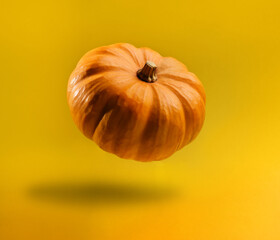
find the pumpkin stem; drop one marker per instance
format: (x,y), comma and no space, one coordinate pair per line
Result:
(148,72)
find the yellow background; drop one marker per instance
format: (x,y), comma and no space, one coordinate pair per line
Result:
(226,183)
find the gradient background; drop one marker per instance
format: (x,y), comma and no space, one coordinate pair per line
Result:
(57,185)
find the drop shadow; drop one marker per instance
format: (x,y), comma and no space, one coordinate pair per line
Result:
(100,193)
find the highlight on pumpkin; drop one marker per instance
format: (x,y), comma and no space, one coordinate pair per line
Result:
(135,103)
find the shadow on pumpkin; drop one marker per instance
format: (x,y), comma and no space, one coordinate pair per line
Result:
(100,193)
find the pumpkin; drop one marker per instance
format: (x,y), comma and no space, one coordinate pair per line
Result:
(135,103)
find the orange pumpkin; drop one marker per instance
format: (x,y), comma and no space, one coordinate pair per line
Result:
(135,103)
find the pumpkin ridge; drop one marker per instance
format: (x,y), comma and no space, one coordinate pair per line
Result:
(99,51)
(103,64)
(104,60)
(100,70)
(151,129)
(120,105)
(151,55)
(131,54)
(197,86)
(121,133)
(78,104)
(187,118)
(183,109)
(97,102)
(103,113)
(82,74)
(84,83)
(91,72)
(117,52)
(105,52)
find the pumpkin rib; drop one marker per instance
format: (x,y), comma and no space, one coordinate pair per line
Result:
(90,73)
(80,105)
(117,61)
(172,64)
(84,82)
(198,111)
(110,65)
(91,69)
(101,69)
(140,104)
(194,84)
(160,127)
(120,112)
(148,92)
(101,105)
(125,106)
(103,113)
(151,55)
(188,117)
(116,120)
(169,89)
(131,53)
(104,50)
(94,56)
(98,138)
(117,51)
(150,130)
(175,122)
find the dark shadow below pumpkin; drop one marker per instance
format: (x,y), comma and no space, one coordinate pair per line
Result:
(100,193)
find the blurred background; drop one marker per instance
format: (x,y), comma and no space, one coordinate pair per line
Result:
(57,185)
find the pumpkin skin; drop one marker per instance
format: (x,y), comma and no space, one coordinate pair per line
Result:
(135,119)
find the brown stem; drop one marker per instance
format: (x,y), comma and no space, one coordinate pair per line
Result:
(148,72)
